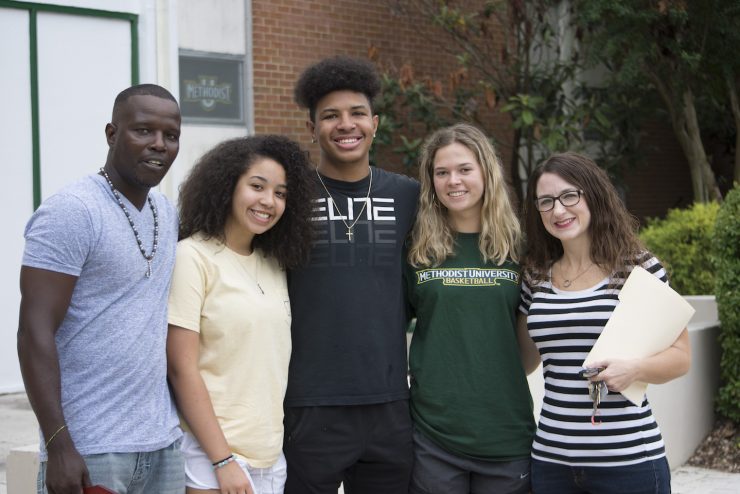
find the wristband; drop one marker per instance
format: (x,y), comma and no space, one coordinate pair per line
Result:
(223,463)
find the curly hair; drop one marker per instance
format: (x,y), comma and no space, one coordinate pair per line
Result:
(615,246)
(336,74)
(432,239)
(207,193)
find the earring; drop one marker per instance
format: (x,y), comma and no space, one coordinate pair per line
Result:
(313,140)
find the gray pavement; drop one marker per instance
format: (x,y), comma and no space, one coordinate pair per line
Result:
(18,427)
(692,480)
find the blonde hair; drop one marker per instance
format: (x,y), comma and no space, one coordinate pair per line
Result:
(432,239)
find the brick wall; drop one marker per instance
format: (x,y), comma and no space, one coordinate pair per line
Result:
(289,35)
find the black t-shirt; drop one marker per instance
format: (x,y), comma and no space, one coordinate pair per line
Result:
(348,307)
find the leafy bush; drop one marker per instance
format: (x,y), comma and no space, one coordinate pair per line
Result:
(727,265)
(683,242)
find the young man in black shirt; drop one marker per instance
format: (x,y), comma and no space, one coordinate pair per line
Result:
(347,417)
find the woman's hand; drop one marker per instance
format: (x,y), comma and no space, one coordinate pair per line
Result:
(232,479)
(194,403)
(660,368)
(617,374)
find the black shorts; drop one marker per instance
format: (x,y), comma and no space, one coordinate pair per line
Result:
(439,471)
(367,447)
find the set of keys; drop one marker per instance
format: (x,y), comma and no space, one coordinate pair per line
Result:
(597,391)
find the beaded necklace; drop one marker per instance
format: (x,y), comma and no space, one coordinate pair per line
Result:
(147,257)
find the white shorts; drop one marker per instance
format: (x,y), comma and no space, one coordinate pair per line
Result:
(199,472)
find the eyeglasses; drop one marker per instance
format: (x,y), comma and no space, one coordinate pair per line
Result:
(567,199)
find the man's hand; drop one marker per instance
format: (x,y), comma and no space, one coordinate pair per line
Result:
(66,472)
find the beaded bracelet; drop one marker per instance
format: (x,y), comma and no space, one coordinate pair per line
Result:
(223,463)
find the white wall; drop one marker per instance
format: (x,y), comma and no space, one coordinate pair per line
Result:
(83,62)
(16,201)
(195,140)
(212,25)
(215,26)
(79,77)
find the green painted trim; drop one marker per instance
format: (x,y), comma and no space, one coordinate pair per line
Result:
(35,138)
(62,9)
(33,9)
(135,50)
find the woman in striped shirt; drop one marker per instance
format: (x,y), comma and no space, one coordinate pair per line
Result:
(581,246)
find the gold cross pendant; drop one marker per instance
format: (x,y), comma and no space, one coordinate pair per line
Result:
(349,234)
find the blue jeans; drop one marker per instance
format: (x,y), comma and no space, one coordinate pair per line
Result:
(160,471)
(648,477)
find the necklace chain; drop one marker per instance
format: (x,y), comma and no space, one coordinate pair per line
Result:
(349,233)
(568,282)
(147,257)
(256,277)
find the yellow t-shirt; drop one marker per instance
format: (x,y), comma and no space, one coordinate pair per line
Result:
(244,340)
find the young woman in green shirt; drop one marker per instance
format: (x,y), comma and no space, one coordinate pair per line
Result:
(470,401)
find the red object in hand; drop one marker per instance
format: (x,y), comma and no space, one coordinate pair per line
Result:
(97,489)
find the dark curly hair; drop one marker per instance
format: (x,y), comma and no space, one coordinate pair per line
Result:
(615,246)
(336,74)
(206,195)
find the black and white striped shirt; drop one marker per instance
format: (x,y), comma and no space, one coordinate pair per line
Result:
(565,325)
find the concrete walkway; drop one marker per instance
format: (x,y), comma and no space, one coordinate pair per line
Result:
(18,427)
(692,480)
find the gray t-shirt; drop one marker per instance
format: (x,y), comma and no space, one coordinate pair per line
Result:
(111,343)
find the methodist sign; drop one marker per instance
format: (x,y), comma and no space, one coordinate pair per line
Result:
(212,88)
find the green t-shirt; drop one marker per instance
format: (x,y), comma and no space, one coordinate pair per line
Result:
(469,392)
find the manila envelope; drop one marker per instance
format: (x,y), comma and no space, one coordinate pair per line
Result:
(648,319)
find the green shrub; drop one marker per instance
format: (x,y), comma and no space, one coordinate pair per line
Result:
(683,242)
(727,265)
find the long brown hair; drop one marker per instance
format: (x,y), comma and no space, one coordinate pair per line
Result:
(615,246)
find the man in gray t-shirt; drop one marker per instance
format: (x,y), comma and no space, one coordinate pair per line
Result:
(93,323)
